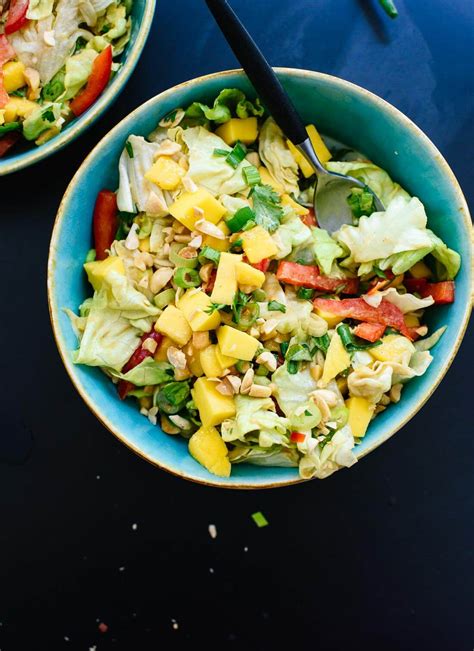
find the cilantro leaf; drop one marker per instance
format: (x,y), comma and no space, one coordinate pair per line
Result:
(267,207)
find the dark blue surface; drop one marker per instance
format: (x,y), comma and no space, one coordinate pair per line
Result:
(378,557)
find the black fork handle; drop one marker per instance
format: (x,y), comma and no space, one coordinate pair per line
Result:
(259,71)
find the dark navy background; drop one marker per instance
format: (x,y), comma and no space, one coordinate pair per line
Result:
(378,557)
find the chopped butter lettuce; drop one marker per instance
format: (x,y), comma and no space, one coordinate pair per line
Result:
(230,101)
(78,70)
(323,461)
(325,249)
(291,391)
(39,9)
(41,119)
(405,302)
(290,234)
(256,415)
(277,157)
(147,373)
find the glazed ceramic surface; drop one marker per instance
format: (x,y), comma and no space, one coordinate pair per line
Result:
(341,110)
(29,154)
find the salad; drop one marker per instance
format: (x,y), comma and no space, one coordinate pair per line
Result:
(56,58)
(233,320)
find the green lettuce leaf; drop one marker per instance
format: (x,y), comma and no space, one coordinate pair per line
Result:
(39,9)
(291,391)
(292,233)
(208,170)
(277,158)
(230,101)
(256,415)
(276,456)
(78,70)
(448,262)
(147,373)
(325,249)
(41,119)
(321,461)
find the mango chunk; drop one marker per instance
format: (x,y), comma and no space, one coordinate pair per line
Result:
(235,343)
(226,279)
(420,270)
(286,200)
(216,243)
(213,407)
(318,144)
(303,164)
(248,275)
(243,129)
(337,360)
(267,179)
(174,325)
(224,360)
(208,448)
(331,319)
(194,305)
(98,270)
(13,76)
(257,244)
(18,107)
(166,173)
(183,208)
(209,362)
(161,353)
(394,348)
(360,415)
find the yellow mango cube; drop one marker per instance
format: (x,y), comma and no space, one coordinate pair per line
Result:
(318,144)
(183,208)
(213,407)
(337,360)
(331,319)
(166,173)
(286,200)
(208,448)
(303,164)
(235,343)
(209,362)
(267,179)
(225,285)
(411,321)
(194,364)
(257,244)
(420,270)
(174,325)
(98,270)
(161,353)
(238,129)
(224,360)
(360,415)
(194,305)
(394,348)
(215,242)
(13,76)
(18,107)
(248,275)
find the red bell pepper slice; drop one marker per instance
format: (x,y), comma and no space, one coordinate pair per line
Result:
(104,223)
(124,387)
(7,141)
(442,293)
(302,275)
(415,284)
(16,15)
(370,331)
(310,218)
(386,313)
(261,266)
(297,437)
(98,80)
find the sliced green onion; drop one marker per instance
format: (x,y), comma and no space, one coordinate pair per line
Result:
(251,175)
(262,370)
(237,155)
(305,293)
(246,315)
(54,88)
(249,225)
(129,148)
(307,418)
(350,343)
(259,519)
(275,306)
(186,278)
(183,256)
(284,347)
(259,295)
(9,126)
(172,397)
(91,255)
(298,353)
(210,254)
(389,7)
(220,152)
(292,368)
(165,298)
(321,343)
(236,245)
(241,217)
(241,366)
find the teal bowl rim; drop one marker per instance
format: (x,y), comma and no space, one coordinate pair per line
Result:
(83,122)
(129,122)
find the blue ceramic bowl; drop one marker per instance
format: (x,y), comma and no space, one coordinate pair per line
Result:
(142,17)
(341,110)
